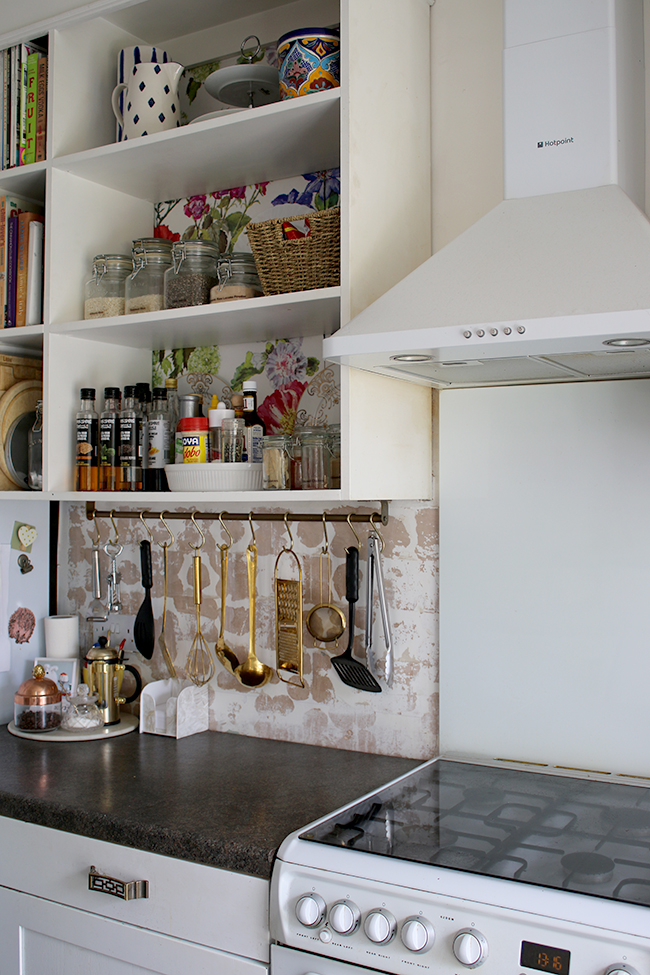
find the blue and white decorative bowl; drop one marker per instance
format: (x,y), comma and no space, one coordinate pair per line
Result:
(308,61)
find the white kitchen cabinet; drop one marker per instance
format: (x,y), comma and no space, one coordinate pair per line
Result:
(99,195)
(196,919)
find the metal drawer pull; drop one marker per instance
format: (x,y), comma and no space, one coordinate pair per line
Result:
(109,885)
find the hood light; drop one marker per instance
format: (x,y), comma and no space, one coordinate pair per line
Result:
(412,358)
(626,343)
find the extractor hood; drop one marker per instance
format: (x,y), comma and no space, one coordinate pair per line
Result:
(554,283)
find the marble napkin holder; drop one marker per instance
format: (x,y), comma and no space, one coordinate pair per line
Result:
(176,708)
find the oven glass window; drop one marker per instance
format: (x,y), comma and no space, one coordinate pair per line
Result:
(586,835)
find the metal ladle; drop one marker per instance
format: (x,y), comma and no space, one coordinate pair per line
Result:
(326,622)
(224,654)
(252,673)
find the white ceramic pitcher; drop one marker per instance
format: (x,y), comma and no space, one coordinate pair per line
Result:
(151,102)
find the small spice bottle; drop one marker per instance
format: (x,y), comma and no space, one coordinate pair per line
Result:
(194,432)
(104,291)
(233,439)
(237,277)
(334,439)
(145,286)
(276,459)
(192,274)
(215,422)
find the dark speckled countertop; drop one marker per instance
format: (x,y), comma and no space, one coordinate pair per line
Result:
(218,799)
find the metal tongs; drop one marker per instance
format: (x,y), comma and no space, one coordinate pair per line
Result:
(374,569)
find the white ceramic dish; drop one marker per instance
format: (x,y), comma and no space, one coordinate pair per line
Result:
(128,722)
(214,477)
(217,114)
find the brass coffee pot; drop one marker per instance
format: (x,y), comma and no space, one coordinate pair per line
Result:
(103,672)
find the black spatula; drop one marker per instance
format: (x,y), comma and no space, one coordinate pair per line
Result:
(351,671)
(144,633)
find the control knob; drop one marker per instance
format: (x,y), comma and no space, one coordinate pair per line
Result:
(417,934)
(470,948)
(380,926)
(344,917)
(310,910)
(621,970)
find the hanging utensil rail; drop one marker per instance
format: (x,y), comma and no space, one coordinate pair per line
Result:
(374,517)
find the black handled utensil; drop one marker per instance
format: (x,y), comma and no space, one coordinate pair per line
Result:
(144,633)
(351,671)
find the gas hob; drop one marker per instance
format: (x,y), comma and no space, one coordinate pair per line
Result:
(460,865)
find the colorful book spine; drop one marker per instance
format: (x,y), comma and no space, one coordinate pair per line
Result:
(10,206)
(30,109)
(13,108)
(41,107)
(12,262)
(6,105)
(22,110)
(22,257)
(34,314)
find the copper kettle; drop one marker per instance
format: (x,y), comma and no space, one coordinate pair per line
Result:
(103,671)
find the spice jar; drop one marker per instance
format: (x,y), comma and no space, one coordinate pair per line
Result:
(233,437)
(296,461)
(237,277)
(276,459)
(334,439)
(104,291)
(194,434)
(315,459)
(82,713)
(145,286)
(193,273)
(37,703)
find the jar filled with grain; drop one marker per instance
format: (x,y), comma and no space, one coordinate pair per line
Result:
(145,286)
(104,291)
(237,278)
(276,458)
(193,273)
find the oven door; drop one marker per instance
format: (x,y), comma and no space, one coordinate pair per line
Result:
(291,961)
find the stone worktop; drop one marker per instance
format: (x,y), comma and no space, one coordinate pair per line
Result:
(218,799)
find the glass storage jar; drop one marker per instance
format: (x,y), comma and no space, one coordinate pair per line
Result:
(193,273)
(334,438)
(37,703)
(145,286)
(104,291)
(315,459)
(276,460)
(237,277)
(82,713)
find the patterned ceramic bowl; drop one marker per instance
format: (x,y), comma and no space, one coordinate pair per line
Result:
(308,61)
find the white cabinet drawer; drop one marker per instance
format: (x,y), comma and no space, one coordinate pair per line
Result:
(206,905)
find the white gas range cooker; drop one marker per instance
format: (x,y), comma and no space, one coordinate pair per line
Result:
(459,865)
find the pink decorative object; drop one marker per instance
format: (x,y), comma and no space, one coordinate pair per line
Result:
(21,625)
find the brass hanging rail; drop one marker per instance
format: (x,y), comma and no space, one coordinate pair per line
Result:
(380,517)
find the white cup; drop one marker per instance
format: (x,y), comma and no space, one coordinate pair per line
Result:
(61,636)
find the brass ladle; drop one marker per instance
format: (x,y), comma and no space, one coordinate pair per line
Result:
(224,654)
(252,673)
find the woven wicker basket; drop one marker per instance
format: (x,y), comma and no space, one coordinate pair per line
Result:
(302,264)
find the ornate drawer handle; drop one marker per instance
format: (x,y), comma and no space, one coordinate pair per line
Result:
(109,885)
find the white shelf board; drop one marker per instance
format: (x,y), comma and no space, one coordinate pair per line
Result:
(25,495)
(169,499)
(28,339)
(314,312)
(26,181)
(287,138)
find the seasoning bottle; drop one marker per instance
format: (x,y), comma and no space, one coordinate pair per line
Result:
(109,441)
(194,431)
(255,428)
(315,459)
(215,421)
(296,461)
(143,404)
(130,436)
(237,277)
(277,462)
(233,437)
(159,437)
(193,273)
(35,451)
(145,286)
(87,435)
(188,405)
(171,385)
(104,291)
(237,403)
(334,441)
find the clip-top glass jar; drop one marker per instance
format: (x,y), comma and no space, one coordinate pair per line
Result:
(193,274)
(104,291)
(237,277)
(276,458)
(37,703)
(315,459)
(145,286)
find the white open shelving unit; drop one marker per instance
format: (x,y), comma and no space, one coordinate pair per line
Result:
(99,196)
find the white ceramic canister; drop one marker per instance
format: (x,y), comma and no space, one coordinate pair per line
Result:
(126,61)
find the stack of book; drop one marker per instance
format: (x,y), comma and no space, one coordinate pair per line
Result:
(23,74)
(21,262)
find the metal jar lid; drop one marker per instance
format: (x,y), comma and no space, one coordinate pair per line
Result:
(38,689)
(105,655)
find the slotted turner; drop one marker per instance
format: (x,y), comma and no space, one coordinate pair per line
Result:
(351,671)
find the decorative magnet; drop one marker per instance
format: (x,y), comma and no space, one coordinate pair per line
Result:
(23,537)
(24,565)
(21,625)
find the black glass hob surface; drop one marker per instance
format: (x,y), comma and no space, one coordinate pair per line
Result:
(585,835)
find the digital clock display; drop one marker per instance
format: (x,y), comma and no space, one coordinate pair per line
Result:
(543,958)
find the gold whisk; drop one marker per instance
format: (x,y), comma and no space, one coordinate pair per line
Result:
(200,665)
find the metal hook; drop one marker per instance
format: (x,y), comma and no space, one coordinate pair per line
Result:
(98,539)
(117,534)
(286,525)
(227,531)
(326,547)
(250,522)
(198,528)
(147,529)
(171,534)
(373,524)
(353,530)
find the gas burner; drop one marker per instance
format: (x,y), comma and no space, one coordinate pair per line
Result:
(629,823)
(588,868)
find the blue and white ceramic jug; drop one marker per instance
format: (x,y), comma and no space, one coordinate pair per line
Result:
(151,102)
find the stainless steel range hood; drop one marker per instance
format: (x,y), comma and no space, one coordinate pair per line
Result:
(553,284)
